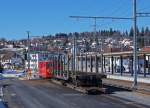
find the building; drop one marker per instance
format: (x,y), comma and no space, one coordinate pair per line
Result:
(35,58)
(11,60)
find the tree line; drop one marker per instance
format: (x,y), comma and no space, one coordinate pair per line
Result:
(110,32)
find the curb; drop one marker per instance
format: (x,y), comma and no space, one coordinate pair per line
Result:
(143,91)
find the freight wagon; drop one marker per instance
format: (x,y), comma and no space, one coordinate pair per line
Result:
(57,68)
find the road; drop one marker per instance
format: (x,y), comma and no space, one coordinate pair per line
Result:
(45,94)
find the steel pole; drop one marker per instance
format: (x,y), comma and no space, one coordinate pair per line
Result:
(28,56)
(74,54)
(135,44)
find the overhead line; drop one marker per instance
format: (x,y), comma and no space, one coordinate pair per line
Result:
(97,17)
(146,14)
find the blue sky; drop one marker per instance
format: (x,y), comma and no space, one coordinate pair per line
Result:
(43,17)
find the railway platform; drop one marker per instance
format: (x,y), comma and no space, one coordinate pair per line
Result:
(127,83)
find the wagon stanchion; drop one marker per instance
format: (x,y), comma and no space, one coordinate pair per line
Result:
(62,67)
(115,65)
(81,63)
(57,66)
(84,70)
(64,61)
(76,63)
(75,71)
(96,64)
(71,63)
(121,69)
(86,63)
(131,65)
(53,65)
(148,64)
(91,64)
(144,57)
(104,64)
(112,65)
(68,66)
(138,64)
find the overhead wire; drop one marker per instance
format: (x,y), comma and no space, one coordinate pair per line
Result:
(144,8)
(117,12)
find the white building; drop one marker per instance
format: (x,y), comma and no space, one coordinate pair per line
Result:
(34,61)
(33,64)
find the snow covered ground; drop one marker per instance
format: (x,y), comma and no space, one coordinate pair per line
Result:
(12,74)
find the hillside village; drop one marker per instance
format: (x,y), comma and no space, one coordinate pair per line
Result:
(13,52)
(75,54)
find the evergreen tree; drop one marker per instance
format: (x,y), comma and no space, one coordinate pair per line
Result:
(142,32)
(137,31)
(131,32)
(147,32)
(126,33)
(140,42)
(111,32)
